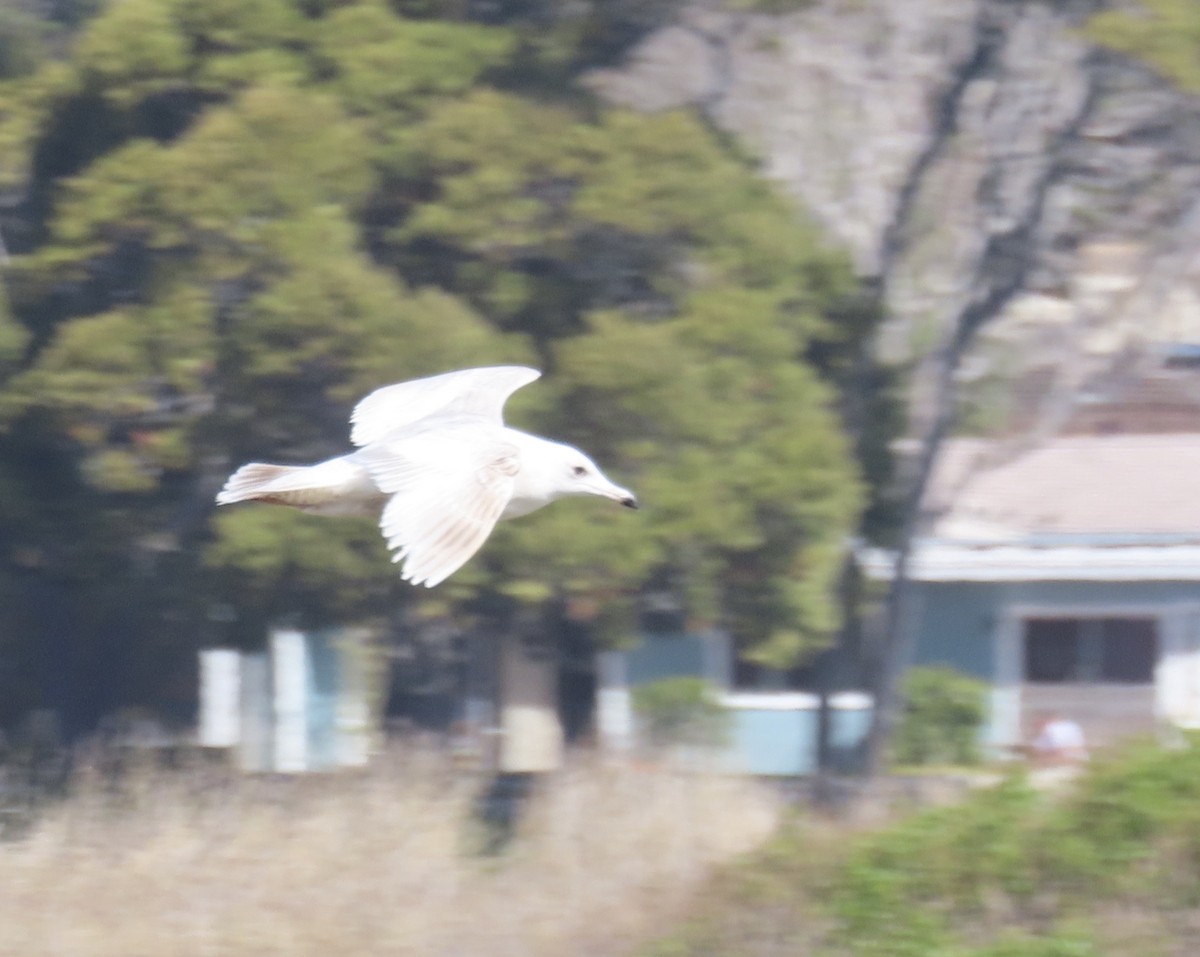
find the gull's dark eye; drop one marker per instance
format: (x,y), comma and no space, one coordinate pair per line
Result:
(578,471)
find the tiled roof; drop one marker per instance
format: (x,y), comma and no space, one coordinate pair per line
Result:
(1098,485)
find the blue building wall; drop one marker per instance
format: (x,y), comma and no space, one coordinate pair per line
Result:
(955,621)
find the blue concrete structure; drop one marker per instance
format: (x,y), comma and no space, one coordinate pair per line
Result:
(773,733)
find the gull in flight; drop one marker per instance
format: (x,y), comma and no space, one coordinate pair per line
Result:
(437,464)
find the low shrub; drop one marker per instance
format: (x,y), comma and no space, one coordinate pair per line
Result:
(1111,866)
(943,712)
(681,711)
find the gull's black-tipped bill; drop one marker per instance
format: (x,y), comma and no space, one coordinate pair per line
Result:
(630,502)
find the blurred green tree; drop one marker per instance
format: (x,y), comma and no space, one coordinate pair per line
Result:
(235,219)
(20,43)
(1163,33)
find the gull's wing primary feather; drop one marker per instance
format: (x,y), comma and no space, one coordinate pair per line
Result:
(480,392)
(448,488)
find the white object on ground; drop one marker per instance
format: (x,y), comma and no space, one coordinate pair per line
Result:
(1061,737)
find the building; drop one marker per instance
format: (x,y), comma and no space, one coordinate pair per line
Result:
(1067,575)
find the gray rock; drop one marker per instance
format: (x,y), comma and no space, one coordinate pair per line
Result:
(980,159)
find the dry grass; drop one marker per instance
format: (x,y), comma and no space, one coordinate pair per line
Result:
(385,862)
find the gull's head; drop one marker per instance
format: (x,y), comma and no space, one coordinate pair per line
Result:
(579,475)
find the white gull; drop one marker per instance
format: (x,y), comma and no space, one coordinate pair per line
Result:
(437,464)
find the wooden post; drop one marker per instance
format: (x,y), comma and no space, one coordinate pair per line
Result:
(614,704)
(532,738)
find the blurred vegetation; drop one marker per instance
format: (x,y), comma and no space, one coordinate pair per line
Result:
(230,220)
(214,861)
(20,43)
(771,6)
(681,711)
(1163,33)
(943,713)
(1109,868)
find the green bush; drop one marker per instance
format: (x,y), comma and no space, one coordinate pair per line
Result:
(943,711)
(1162,33)
(1131,805)
(900,890)
(1129,828)
(681,711)
(1008,871)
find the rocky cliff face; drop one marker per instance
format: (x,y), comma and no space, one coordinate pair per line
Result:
(1028,203)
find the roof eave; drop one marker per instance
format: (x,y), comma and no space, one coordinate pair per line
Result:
(939,560)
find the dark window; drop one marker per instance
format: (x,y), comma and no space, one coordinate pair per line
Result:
(1052,649)
(1076,650)
(1130,648)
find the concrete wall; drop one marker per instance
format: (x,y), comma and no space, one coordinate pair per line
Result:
(772,732)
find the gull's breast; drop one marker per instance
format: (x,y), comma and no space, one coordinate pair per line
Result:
(530,491)
(520,505)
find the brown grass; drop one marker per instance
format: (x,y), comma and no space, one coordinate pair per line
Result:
(384,862)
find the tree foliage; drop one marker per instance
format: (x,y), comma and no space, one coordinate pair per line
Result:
(233,219)
(1164,33)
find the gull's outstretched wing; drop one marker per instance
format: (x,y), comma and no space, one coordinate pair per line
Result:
(481,392)
(448,487)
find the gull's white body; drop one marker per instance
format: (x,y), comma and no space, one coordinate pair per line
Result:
(437,463)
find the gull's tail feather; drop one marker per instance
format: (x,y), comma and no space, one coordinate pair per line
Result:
(335,487)
(295,485)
